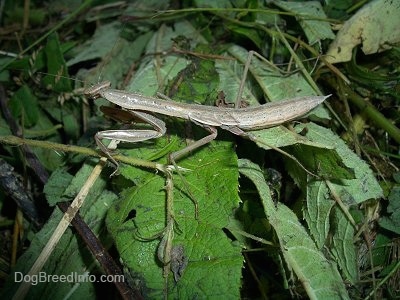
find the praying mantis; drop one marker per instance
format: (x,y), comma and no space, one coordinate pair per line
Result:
(239,121)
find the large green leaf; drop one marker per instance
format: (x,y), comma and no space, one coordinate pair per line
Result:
(140,215)
(319,276)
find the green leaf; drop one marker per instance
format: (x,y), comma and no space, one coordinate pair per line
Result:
(326,162)
(317,211)
(230,74)
(57,77)
(139,216)
(55,187)
(99,45)
(197,82)
(364,186)
(343,245)
(115,52)
(70,123)
(314,155)
(152,77)
(280,136)
(24,104)
(268,75)
(250,33)
(315,30)
(318,275)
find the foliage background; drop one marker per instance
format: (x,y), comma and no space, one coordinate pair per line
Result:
(334,235)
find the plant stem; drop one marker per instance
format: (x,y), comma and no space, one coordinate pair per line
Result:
(13,140)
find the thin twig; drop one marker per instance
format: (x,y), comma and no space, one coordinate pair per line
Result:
(14,140)
(60,229)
